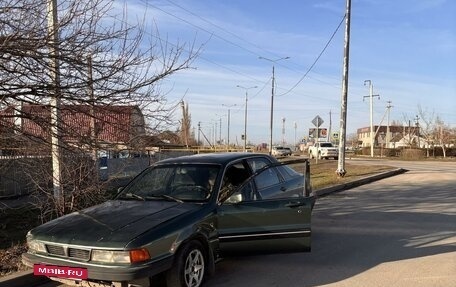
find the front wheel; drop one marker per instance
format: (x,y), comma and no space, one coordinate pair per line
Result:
(189,266)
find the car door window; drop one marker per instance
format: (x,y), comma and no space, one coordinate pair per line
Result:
(243,194)
(234,176)
(287,172)
(266,178)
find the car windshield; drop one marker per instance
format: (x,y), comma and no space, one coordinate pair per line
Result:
(183,182)
(326,145)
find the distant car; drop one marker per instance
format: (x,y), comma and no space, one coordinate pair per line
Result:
(281,151)
(323,150)
(176,219)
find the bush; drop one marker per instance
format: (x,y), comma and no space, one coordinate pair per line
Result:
(412,154)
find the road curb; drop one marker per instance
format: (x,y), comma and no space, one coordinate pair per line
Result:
(341,187)
(22,279)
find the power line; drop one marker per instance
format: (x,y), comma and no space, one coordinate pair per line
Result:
(318,58)
(237,45)
(221,28)
(201,28)
(188,51)
(236,36)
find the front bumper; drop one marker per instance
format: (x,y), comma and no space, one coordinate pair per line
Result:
(329,154)
(114,273)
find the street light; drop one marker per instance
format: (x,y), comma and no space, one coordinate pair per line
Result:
(272,98)
(228,123)
(245,113)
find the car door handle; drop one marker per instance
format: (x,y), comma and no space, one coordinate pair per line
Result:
(283,188)
(295,204)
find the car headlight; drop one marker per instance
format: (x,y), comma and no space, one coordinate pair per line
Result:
(131,256)
(36,246)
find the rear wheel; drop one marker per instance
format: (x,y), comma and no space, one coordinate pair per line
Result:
(189,266)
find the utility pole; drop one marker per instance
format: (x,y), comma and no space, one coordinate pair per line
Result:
(371,96)
(271,122)
(53,35)
(93,132)
(410,134)
(283,131)
(220,133)
(330,123)
(185,124)
(228,124)
(245,113)
(417,124)
(199,131)
(295,127)
(388,136)
(343,108)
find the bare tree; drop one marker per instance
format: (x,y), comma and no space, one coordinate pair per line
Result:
(104,61)
(443,134)
(353,140)
(126,62)
(426,126)
(434,130)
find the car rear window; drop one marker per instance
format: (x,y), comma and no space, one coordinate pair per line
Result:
(287,172)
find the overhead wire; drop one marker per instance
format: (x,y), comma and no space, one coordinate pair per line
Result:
(213,34)
(188,51)
(223,29)
(318,58)
(240,38)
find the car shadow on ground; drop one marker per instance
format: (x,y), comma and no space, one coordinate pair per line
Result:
(353,232)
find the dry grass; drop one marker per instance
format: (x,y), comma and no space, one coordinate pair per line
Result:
(324,174)
(14,224)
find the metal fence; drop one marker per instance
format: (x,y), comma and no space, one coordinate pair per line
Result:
(16,174)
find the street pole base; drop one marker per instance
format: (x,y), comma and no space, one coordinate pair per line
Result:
(341,172)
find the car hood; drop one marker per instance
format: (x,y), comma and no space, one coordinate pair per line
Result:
(111,224)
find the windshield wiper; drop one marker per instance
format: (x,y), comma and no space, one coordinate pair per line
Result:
(165,196)
(132,195)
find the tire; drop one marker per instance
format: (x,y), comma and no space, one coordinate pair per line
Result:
(189,268)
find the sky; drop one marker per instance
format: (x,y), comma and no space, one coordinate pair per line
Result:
(406,48)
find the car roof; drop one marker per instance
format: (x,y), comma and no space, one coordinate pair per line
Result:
(222,158)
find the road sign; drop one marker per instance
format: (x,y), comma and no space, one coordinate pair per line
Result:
(322,133)
(335,135)
(317,121)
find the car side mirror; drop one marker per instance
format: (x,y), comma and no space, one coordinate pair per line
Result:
(235,198)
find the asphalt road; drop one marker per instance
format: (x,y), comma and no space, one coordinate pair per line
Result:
(399,231)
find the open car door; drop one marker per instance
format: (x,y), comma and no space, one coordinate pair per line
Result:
(280,222)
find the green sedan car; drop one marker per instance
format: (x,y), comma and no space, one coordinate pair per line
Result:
(175,220)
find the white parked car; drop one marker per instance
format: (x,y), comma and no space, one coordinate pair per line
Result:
(281,151)
(323,150)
